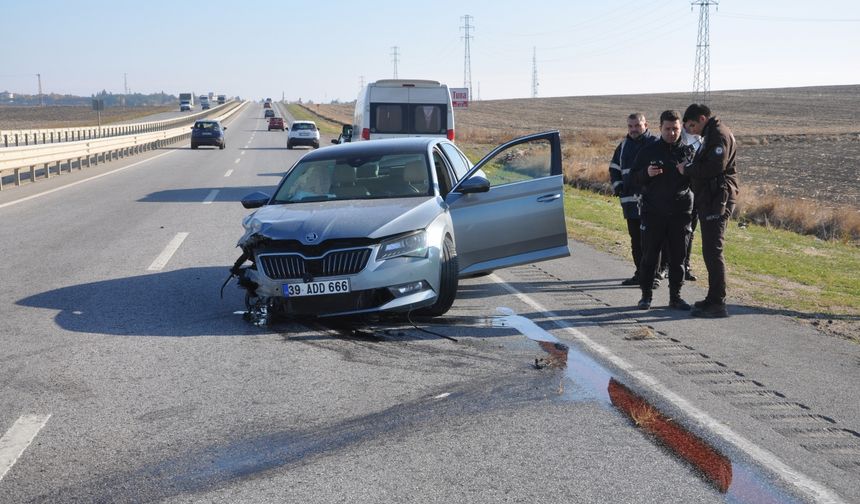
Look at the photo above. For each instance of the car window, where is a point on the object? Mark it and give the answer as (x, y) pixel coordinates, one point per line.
(457, 160)
(388, 118)
(387, 176)
(443, 173)
(427, 119)
(520, 162)
(206, 125)
(304, 126)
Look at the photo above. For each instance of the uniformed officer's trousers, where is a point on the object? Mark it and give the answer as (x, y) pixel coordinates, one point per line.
(674, 230)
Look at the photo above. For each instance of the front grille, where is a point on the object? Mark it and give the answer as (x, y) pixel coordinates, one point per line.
(335, 263)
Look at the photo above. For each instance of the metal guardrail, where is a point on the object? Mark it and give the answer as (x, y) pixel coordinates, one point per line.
(48, 157)
(19, 138)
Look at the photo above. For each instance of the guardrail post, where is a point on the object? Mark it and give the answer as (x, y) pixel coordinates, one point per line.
(32, 173)
(17, 176)
(59, 167)
(80, 164)
(47, 170)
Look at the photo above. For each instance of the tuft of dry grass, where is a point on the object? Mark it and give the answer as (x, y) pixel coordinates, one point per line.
(801, 216)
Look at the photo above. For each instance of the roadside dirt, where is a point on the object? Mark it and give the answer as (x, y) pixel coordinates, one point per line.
(68, 117)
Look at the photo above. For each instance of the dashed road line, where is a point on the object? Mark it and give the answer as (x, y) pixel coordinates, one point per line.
(229, 172)
(18, 438)
(161, 261)
(73, 184)
(806, 485)
(237, 160)
(211, 196)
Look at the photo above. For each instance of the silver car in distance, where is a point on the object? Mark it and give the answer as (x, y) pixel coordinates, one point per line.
(390, 225)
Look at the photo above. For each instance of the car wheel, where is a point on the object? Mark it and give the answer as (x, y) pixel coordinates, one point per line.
(289, 145)
(222, 146)
(316, 145)
(448, 282)
(193, 146)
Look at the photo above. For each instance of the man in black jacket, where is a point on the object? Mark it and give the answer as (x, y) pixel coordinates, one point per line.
(625, 187)
(665, 208)
(714, 180)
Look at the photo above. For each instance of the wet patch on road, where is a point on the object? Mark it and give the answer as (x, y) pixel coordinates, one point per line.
(592, 382)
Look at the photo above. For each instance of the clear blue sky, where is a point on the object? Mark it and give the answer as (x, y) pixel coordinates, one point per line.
(321, 50)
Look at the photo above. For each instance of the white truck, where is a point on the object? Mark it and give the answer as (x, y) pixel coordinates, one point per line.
(186, 101)
(204, 102)
(401, 108)
(222, 99)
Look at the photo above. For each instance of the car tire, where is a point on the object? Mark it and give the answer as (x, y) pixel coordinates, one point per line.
(222, 146)
(448, 282)
(193, 146)
(289, 146)
(316, 145)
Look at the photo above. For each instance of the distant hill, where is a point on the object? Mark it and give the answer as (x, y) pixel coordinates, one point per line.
(110, 100)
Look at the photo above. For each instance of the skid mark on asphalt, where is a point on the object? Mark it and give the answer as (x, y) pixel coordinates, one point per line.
(161, 261)
(18, 438)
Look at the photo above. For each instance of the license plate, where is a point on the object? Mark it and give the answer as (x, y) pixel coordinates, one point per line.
(316, 288)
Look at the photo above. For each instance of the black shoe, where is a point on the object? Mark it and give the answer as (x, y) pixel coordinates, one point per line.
(710, 310)
(655, 283)
(677, 303)
(688, 275)
(644, 303)
(634, 280)
(701, 304)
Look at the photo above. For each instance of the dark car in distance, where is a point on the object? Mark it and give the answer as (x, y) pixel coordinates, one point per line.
(208, 132)
(269, 113)
(276, 123)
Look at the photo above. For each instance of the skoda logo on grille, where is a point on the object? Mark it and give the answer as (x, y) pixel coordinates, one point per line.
(311, 237)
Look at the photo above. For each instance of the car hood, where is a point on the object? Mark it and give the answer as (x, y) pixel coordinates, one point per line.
(312, 223)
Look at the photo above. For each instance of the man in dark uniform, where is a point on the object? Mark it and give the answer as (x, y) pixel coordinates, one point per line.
(625, 187)
(713, 178)
(665, 207)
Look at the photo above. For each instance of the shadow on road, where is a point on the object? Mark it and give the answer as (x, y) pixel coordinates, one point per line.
(198, 194)
(177, 303)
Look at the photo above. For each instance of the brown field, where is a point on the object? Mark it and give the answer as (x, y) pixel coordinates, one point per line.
(794, 143)
(69, 117)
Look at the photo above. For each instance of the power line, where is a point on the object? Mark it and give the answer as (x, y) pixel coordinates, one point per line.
(467, 61)
(702, 71)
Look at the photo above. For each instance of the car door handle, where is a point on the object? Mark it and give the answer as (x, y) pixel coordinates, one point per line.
(549, 197)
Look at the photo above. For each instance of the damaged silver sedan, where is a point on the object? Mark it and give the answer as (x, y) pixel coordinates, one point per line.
(390, 225)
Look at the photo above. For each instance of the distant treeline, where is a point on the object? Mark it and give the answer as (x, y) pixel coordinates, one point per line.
(110, 99)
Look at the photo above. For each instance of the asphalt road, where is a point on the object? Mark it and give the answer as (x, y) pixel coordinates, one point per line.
(124, 377)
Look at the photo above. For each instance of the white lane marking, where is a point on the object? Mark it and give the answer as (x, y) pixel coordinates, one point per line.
(237, 160)
(806, 485)
(211, 196)
(18, 438)
(229, 172)
(442, 395)
(161, 261)
(242, 153)
(105, 174)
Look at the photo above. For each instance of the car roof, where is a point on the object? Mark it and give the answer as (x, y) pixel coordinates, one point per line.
(304, 122)
(410, 145)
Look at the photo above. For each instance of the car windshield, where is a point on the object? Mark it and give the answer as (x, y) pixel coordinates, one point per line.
(387, 176)
(206, 126)
(304, 126)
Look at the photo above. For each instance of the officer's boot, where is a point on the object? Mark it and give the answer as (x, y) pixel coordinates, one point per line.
(645, 302)
(675, 300)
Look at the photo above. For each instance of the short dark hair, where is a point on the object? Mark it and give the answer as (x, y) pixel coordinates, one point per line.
(695, 110)
(669, 115)
(637, 116)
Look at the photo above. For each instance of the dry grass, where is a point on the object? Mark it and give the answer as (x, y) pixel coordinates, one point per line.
(807, 217)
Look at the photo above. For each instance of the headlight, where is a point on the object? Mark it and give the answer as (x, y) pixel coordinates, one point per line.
(411, 245)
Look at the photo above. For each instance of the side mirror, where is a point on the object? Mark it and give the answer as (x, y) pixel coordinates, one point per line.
(255, 200)
(335, 140)
(346, 132)
(474, 184)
